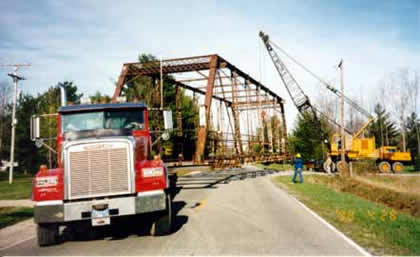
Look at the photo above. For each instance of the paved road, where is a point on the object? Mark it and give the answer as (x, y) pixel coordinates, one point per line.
(244, 217)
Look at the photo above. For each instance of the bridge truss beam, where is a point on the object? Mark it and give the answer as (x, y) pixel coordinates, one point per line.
(244, 100)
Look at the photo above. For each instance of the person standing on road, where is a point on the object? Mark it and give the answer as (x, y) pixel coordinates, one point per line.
(298, 165)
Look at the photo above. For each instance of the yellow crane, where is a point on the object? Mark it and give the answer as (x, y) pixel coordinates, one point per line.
(387, 158)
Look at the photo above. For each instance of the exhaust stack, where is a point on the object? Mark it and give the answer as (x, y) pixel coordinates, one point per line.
(63, 96)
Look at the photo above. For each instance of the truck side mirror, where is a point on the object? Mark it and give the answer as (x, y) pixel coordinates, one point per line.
(35, 131)
(167, 120)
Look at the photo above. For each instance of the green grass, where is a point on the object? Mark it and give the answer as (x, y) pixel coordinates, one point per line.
(13, 215)
(379, 229)
(20, 189)
(410, 170)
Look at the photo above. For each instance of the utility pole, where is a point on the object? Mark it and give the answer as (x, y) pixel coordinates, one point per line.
(11, 164)
(343, 148)
(161, 84)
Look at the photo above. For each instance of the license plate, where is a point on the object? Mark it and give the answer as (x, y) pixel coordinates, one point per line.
(100, 218)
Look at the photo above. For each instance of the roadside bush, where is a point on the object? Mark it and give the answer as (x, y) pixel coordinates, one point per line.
(417, 163)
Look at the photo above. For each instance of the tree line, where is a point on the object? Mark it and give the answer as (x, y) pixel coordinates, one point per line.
(395, 105)
(30, 157)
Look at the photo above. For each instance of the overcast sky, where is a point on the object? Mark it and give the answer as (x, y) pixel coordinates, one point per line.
(88, 41)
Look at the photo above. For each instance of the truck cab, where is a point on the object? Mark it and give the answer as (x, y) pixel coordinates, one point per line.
(104, 170)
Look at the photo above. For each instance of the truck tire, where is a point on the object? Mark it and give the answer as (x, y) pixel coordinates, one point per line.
(384, 167)
(397, 167)
(163, 225)
(47, 234)
(339, 165)
(332, 167)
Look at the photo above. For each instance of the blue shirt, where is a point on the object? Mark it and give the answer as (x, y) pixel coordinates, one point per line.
(298, 163)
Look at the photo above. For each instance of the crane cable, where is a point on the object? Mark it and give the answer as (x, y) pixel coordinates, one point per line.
(333, 89)
(298, 63)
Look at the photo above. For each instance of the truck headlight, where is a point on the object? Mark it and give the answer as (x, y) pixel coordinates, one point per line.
(46, 181)
(152, 172)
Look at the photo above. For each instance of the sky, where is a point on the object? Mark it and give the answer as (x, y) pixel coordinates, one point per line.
(88, 41)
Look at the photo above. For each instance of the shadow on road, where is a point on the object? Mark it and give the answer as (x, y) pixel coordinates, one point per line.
(121, 227)
(210, 180)
(139, 225)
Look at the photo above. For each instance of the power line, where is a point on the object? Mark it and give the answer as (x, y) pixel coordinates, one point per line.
(331, 88)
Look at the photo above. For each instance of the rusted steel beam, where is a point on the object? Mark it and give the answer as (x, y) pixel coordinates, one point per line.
(120, 83)
(200, 68)
(243, 85)
(196, 79)
(175, 82)
(235, 114)
(188, 64)
(196, 63)
(227, 111)
(269, 133)
(252, 103)
(260, 123)
(249, 78)
(243, 91)
(202, 130)
(243, 96)
(202, 74)
(139, 70)
(192, 59)
(256, 108)
(284, 130)
(252, 107)
(178, 96)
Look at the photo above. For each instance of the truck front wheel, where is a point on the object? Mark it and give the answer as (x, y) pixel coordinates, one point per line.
(397, 167)
(330, 166)
(340, 165)
(47, 234)
(384, 167)
(163, 225)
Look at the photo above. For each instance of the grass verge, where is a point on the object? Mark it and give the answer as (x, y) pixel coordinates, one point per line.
(20, 189)
(13, 215)
(379, 229)
(366, 187)
(410, 170)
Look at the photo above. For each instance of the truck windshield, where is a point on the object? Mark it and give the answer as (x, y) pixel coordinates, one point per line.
(115, 119)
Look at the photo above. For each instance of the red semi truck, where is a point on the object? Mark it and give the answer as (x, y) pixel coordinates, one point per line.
(105, 170)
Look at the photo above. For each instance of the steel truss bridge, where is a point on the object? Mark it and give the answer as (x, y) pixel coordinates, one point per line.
(240, 120)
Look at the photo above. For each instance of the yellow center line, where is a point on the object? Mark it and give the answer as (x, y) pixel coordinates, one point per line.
(202, 202)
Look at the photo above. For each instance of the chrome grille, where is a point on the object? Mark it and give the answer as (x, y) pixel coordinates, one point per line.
(99, 172)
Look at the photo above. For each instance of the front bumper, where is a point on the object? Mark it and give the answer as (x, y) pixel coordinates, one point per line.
(59, 212)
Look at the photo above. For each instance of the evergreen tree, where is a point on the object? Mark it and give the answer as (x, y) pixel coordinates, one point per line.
(308, 136)
(27, 154)
(99, 98)
(413, 127)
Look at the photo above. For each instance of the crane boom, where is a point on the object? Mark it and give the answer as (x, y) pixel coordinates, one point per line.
(337, 92)
(299, 98)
